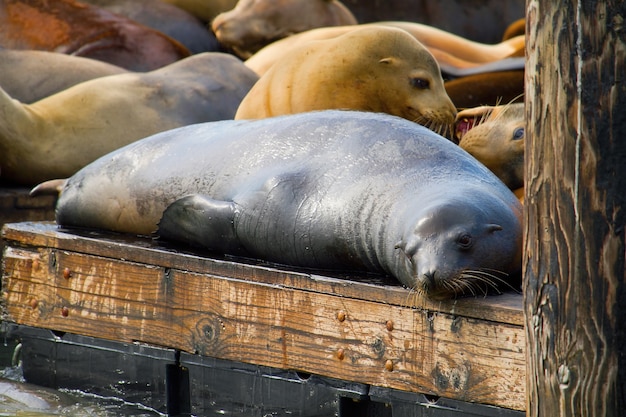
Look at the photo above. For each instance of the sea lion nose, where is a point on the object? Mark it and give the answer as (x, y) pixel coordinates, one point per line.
(427, 280)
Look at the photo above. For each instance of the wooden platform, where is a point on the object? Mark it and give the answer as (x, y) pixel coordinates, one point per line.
(364, 329)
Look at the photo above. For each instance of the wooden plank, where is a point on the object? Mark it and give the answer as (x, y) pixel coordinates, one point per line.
(505, 308)
(264, 323)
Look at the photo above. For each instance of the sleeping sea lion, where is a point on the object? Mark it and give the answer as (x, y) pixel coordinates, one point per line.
(332, 189)
(56, 136)
(374, 68)
(29, 76)
(168, 19)
(253, 24)
(79, 29)
(450, 50)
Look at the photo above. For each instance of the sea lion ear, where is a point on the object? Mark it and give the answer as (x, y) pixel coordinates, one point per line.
(493, 228)
(200, 221)
(399, 245)
(386, 61)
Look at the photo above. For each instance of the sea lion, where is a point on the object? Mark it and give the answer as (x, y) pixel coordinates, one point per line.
(56, 136)
(516, 28)
(203, 9)
(173, 21)
(482, 21)
(448, 49)
(253, 24)
(29, 76)
(75, 28)
(375, 68)
(331, 189)
(495, 136)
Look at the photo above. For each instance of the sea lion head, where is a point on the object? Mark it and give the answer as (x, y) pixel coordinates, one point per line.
(495, 136)
(253, 24)
(466, 245)
(405, 77)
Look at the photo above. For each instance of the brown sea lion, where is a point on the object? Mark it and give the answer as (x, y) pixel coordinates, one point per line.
(253, 24)
(74, 28)
(495, 136)
(56, 136)
(479, 20)
(516, 28)
(490, 86)
(29, 76)
(449, 49)
(375, 68)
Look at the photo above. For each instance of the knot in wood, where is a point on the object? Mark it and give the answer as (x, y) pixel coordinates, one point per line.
(564, 376)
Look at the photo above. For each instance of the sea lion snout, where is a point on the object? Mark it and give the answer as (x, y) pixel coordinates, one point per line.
(460, 246)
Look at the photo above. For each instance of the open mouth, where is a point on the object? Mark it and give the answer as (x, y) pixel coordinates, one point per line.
(464, 125)
(468, 119)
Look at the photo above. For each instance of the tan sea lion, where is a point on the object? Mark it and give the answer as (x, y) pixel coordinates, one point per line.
(253, 24)
(56, 136)
(495, 136)
(29, 76)
(449, 49)
(75, 28)
(374, 68)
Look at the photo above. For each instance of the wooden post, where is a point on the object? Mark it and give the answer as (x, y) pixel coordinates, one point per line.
(574, 267)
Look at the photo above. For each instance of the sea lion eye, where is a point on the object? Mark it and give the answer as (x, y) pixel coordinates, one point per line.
(518, 134)
(465, 241)
(420, 83)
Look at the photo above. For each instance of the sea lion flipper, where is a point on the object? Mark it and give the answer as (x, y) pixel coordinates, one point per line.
(201, 221)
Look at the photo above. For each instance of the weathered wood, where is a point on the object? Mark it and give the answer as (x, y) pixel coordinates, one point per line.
(575, 271)
(263, 315)
(506, 308)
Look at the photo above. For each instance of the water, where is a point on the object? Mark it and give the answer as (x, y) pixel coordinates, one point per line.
(19, 398)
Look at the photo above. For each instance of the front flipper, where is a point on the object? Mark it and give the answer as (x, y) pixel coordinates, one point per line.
(201, 221)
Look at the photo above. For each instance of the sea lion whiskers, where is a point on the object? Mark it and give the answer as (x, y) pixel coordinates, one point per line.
(438, 127)
(458, 286)
(472, 280)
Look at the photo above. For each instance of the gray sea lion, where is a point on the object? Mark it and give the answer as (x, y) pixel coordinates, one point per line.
(167, 19)
(203, 9)
(495, 136)
(336, 190)
(56, 136)
(29, 76)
